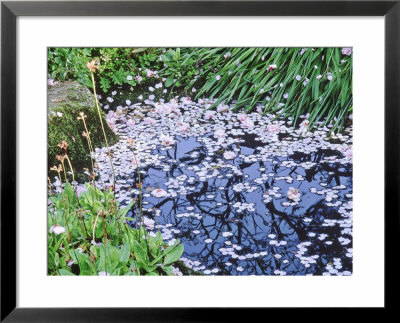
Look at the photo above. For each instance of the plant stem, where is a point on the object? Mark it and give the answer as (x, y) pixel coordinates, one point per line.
(69, 231)
(70, 166)
(94, 227)
(102, 126)
(105, 246)
(65, 175)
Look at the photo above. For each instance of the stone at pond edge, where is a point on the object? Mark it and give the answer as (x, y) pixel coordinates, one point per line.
(65, 101)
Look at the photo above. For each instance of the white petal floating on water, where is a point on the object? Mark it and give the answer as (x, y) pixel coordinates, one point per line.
(264, 169)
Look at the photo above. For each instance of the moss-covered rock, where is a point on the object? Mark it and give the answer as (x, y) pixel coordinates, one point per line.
(65, 101)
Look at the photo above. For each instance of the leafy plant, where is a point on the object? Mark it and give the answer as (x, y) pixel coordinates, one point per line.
(117, 66)
(89, 235)
(285, 81)
(177, 71)
(69, 63)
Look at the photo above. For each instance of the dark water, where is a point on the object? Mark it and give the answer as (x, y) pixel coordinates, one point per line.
(250, 230)
(234, 216)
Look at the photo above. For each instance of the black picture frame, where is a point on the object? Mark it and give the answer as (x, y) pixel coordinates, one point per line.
(10, 10)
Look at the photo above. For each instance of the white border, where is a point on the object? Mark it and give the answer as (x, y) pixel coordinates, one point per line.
(364, 288)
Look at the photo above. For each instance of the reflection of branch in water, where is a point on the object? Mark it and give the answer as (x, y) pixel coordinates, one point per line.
(298, 229)
(316, 157)
(323, 211)
(293, 170)
(193, 197)
(249, 229)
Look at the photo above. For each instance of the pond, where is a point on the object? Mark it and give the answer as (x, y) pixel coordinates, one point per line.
(245, 194)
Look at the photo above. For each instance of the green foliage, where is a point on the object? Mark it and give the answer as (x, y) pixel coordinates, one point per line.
(291, 89)
(286, 81)
(69, 63)
(177, 71)
(116, 248)
(118, 66)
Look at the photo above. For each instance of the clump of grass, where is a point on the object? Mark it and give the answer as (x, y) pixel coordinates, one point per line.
(285, 81)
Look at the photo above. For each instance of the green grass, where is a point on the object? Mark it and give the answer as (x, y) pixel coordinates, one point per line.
(245, 78)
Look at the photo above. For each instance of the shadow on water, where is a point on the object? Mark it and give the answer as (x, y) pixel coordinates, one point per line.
(234, 216)
(297, 239)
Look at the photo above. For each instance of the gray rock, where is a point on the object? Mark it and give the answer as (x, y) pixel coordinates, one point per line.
(70, 92)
